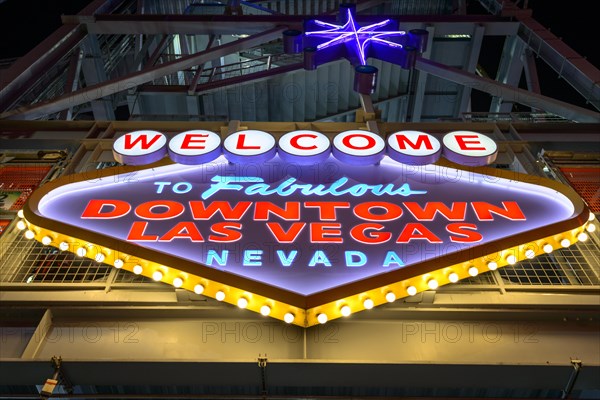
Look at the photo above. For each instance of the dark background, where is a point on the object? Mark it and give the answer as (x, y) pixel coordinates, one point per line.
(23, 24)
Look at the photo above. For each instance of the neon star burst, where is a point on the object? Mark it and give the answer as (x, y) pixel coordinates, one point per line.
(358, 38)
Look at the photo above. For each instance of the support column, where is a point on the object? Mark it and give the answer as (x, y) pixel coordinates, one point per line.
(509, 71)
(476, 40)
(72, 81)
(94, 73)
(422, 81)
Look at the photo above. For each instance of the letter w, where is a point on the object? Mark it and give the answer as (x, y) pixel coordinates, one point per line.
(202, 212)
(142, 139)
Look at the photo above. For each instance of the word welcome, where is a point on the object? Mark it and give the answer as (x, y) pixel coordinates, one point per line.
(303, 147)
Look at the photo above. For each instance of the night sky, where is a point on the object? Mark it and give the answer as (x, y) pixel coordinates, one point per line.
(23, 24)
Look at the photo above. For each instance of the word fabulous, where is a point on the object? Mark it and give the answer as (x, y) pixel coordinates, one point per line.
(305, 147)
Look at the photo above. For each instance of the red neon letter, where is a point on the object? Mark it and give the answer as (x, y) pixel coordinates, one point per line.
(228, 230)
(327, 208)
(291, 212)
(173, 209)
(510, 211)
(358, 233)
(428, 213)
(190, 138)
(136, 233)
(466, 233)
(319, 231)
(464, 144)
(294, 142)
(94, 209)
(142, 139)
(363, 211)
(183, 230)
(370, 142)
(421, 140)
(200, 211)
(288, 236)
(241, 146)
(417, 231)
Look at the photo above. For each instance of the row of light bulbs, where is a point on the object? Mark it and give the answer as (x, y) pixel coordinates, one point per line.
(322, 318)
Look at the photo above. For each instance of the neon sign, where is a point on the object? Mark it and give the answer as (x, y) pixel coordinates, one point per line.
(323, 42)
(304, 243)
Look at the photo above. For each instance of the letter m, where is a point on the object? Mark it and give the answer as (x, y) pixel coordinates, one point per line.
(422, 140)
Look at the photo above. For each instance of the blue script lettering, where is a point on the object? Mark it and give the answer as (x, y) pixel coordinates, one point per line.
(289, 187)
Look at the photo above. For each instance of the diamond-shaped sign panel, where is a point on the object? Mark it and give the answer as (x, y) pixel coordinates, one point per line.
(306, 243)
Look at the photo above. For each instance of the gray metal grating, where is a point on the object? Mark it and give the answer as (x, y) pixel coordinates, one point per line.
(577, 265)
(27, 261)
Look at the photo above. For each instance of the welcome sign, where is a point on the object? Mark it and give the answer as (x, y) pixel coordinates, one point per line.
(306, 228)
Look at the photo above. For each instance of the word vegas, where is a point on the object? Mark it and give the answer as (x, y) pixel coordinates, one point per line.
(356, 147)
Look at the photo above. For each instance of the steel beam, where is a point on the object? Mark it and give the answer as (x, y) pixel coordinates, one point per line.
(509, 71)
(419, 99)
(199, 68)
(72, 80)
(248, 24)
(27, 69)
(509, 93)
(476, 40)
(94, 73)
(107, 88)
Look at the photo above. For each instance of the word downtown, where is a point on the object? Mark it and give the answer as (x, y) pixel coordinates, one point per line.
(293, 225)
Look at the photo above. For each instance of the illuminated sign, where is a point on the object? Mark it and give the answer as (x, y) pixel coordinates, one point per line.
(324, 41)
(345, 229)
(356, 147)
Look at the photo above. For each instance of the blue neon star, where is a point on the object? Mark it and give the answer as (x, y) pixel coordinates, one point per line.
(361, 37)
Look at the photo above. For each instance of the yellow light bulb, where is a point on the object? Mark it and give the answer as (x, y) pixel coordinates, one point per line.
(473, 271)
(198, 289)
(433, 284)
(266, 310)
(242, 302)
(492, 266)
(411, 290)
(322, 318)
(178, 282)
(390, 297)
(138, 269)
(346, 311)
(453, 277)
(220, 295)
(157, 275)
(288, 318)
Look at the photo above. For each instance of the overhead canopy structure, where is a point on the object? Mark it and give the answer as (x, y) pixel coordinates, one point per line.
(213, 61)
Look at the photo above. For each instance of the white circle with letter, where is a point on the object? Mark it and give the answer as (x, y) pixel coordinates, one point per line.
(248, 146)
(469, 148)
(195, 147)
(140, 147)
(414, 147)
(304, 147)
(358, 147)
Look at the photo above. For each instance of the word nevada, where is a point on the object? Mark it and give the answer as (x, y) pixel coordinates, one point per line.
(302, 147)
